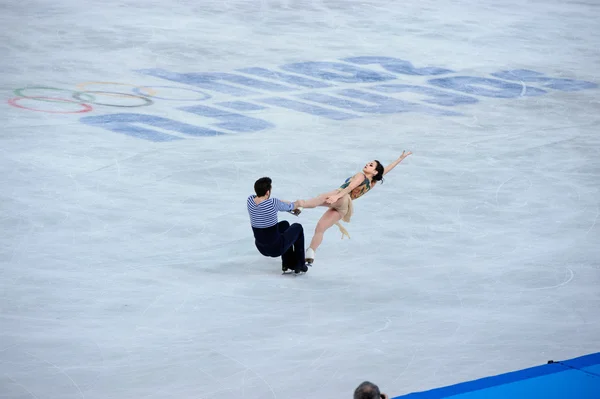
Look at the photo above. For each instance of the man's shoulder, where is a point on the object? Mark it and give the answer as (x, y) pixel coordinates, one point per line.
(272, 201)
(250, 202)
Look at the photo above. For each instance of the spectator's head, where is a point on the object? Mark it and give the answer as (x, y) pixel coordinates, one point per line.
(368, 390)
(262, 186)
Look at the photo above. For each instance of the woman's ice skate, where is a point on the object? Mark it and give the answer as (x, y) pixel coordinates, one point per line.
(310, 256)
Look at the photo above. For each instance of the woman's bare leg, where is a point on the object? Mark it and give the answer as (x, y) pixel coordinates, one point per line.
(329, 218)
(318, 200)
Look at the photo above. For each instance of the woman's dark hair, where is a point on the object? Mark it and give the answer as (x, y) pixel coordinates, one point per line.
(262, 185)
(380, 169)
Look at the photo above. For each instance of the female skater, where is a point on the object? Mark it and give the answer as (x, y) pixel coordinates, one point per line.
(339, 201)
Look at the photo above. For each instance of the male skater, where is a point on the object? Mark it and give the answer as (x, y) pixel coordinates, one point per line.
(273, 238)
(368, 390)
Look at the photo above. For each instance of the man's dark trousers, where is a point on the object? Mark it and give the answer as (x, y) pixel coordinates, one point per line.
(282, 240)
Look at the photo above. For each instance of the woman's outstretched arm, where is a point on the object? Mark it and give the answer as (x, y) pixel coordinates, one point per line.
(396, 162)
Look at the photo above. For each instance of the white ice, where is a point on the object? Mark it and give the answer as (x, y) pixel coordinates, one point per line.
(128, 268)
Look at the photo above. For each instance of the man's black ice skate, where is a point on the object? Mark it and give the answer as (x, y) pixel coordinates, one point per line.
(301, 269)
(285, 269)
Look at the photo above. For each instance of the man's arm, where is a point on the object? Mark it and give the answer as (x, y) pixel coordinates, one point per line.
(396, 162)
(296, 204)
(283, 206)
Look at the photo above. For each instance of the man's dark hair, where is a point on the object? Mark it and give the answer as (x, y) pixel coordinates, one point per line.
(262, 185)
(367, 390)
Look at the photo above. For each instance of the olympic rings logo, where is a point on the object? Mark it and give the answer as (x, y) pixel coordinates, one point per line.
(82, 100)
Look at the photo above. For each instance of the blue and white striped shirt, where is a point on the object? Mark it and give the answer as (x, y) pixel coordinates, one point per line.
(264, 214)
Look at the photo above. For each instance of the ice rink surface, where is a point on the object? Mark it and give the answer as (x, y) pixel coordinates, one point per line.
(133, 131)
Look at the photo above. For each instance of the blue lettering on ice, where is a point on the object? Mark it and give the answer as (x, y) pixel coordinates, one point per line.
(241, 106)
(337, 72)
(284, 77)
(213, 81)
(126, 124)
(308, 108)
(382, 104)
(337, 104)
(528, 76)
(438, 97)
(397, 65)
(485, 87)
(230, 121)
